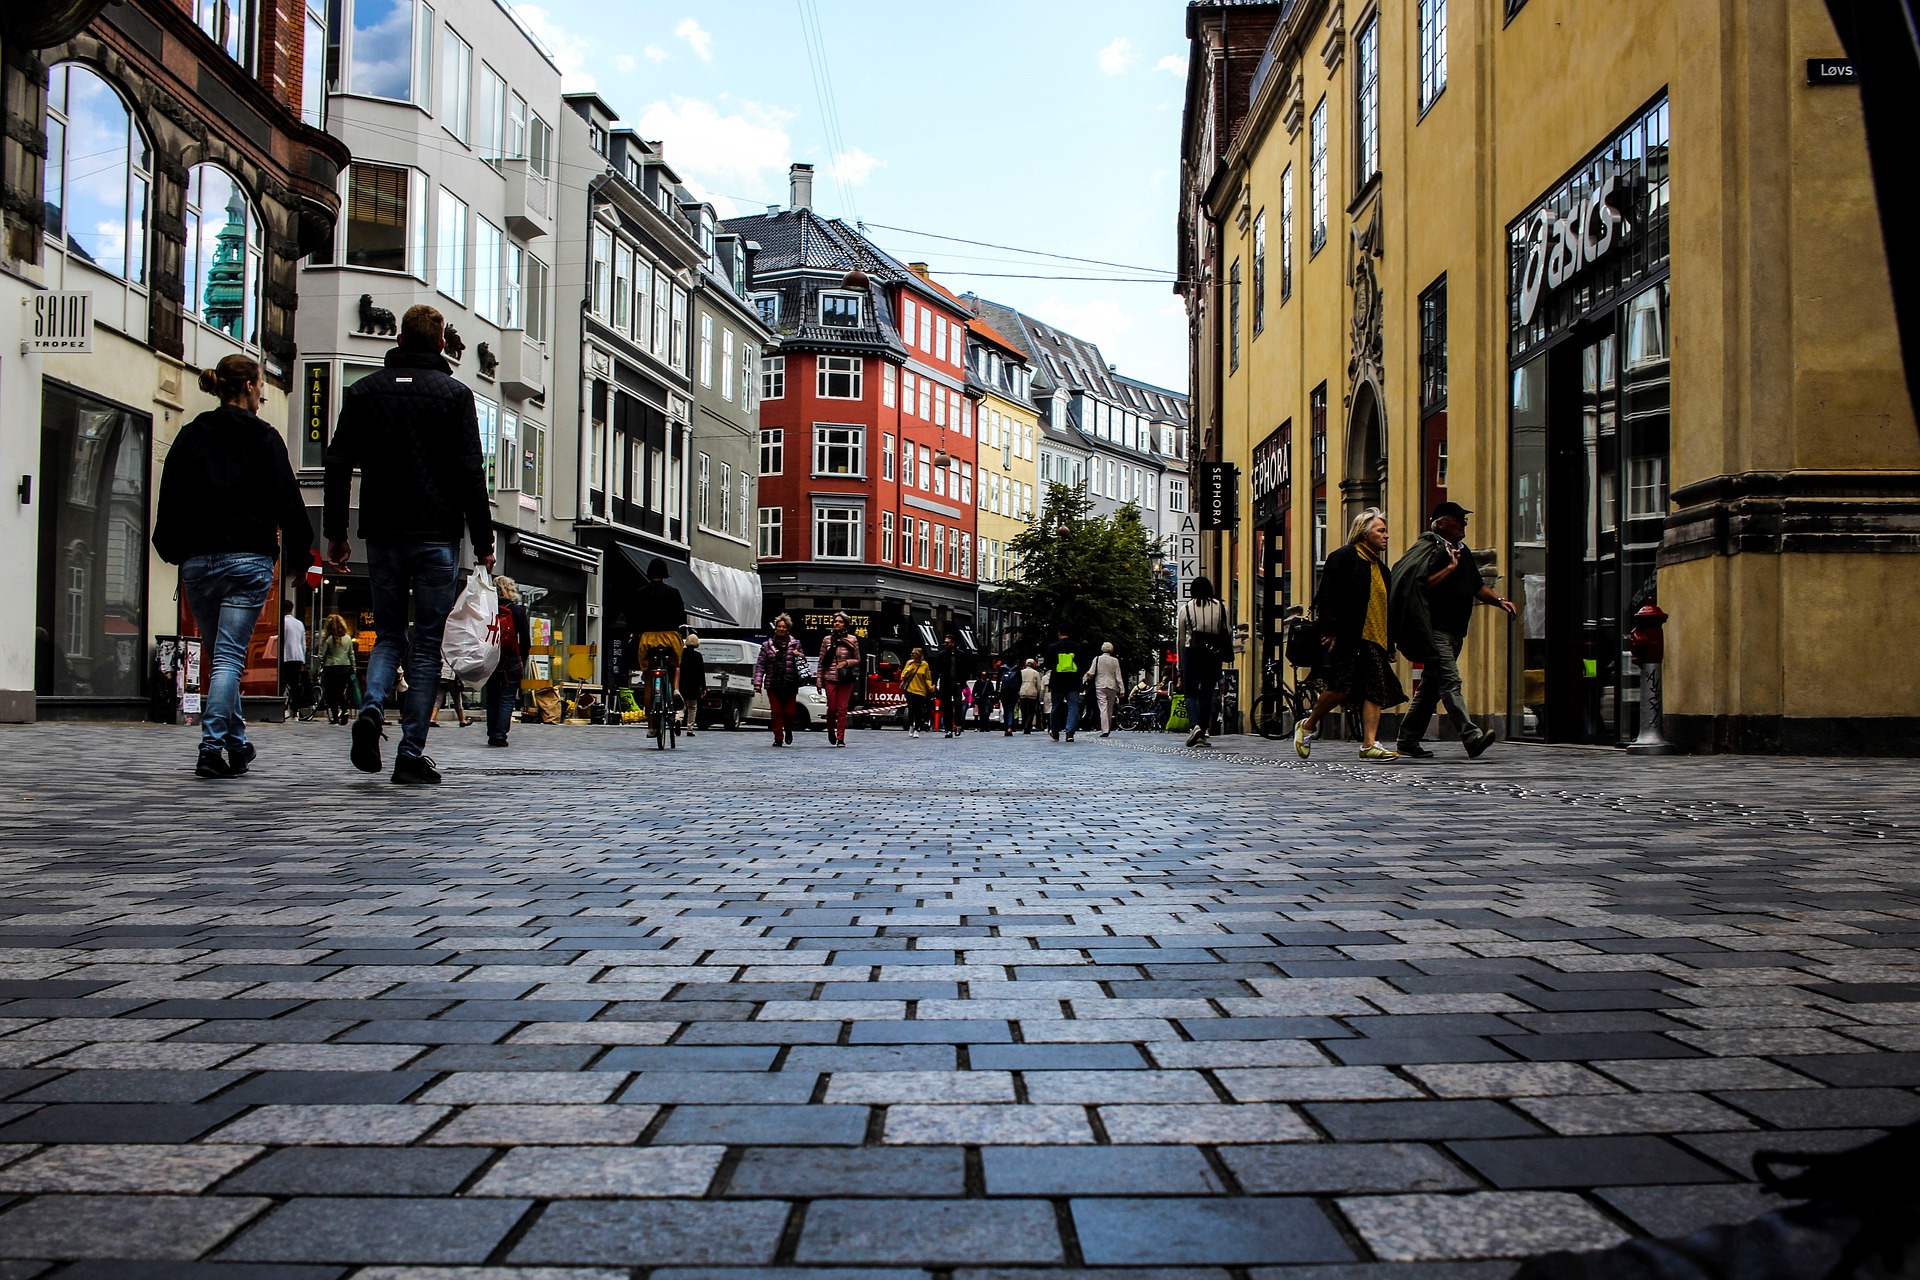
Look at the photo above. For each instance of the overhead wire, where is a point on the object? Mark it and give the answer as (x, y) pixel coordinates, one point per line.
(1037, 253)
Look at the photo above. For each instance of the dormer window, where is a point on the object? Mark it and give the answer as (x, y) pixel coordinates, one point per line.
(840, 310)
(597, 138)
(634, 172)
(768, 305)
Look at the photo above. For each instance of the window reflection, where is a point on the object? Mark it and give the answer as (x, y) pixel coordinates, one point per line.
(223, 254)
(97, 174)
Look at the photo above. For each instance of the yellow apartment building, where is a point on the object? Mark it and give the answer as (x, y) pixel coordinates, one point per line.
(1009, 467)
(1608, 275)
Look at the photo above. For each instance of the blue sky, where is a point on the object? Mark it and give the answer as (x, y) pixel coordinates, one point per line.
(1047, 124)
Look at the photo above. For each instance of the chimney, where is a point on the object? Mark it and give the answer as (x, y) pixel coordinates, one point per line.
(920, 269)
(800, 182)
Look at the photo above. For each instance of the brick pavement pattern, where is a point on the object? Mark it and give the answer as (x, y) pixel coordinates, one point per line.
(983, 1008)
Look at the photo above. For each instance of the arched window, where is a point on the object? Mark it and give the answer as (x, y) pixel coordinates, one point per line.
(97, 174)
(223, 254)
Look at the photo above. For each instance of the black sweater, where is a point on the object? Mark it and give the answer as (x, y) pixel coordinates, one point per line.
(228, 486)
(411, 431)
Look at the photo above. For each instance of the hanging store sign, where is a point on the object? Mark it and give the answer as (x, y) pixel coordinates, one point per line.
(1219, 495)
(1186, 552)
(60, 322)
(1560, 248)
(319, 383)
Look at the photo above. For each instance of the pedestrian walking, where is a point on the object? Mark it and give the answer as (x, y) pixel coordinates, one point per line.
(1351, 605)
(452, 694)
(778, 670)
(916, 681)
(335, 653)
(1430, 602)
(950, 682)
(1109, 682)
(294, 680)
(839, 670)
(228, 506)
(502, 694)
(1010, 675)
(985, 693)
(1205, 640)
(1032, 687)
(1067, 664)
(410, 429)
(693, 678)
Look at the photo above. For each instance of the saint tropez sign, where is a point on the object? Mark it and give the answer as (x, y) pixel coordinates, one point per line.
(60, 322)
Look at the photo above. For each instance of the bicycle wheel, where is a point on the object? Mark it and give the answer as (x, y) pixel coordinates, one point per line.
(1273, 716)
(1129, 717)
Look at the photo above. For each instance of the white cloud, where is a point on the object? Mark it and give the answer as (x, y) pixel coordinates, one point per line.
(746, 151)
(697, 38)
(855, 166)
(1102, 321)
(1173, 63)
(1118, 57)
(655, 53)
(569, 51)
(624, 63)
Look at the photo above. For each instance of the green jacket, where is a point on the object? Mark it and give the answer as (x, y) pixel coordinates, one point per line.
(1410, 601)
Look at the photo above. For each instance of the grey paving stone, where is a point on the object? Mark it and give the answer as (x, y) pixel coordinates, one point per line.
(506, 1057)
(123, 1269)
(930, 1232)
(358, 1171)
(324, 1229)
(153, 1227)
(653, 1233)
(1680, 1211)
(1396, 1050)
(557, 1173)
(720, 1086)
(1372, 1121)
(1095, 1171)
(657, 1058)
(877, 1057)
(944, 1031)
(1600, 1044)
(1525, 1163)
(805, 1172)
(1225, 1231)
(132, 1086)
(1054, 1057)
(749, 1125)
(1487, 1224)
(1819, 1108)
(119, 1122)
(1853, 1069)
(1344, 1170)
(329, 1086)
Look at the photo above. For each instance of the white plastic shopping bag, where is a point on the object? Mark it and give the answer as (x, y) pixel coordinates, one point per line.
(472, 642)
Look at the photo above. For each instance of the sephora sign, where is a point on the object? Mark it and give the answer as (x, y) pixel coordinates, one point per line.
(1560, 247)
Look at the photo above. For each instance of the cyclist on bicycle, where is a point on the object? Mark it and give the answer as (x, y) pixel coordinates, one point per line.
(658, 615)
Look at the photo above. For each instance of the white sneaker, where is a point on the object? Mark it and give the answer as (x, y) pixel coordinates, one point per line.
(1194, 735)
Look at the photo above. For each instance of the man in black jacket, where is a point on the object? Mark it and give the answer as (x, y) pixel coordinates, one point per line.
(1430, 602)
(949, 678)
(411, 431)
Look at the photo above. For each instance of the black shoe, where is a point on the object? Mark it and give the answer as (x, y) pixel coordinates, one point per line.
(1412, 751)
(789, 741)
(366, 741)
(1069, 737)
(1478, 747)
(415, 770)
(239, 759)
(496, 742)
(212, 764)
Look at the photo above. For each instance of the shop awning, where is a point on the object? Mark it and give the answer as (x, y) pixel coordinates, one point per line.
(737, 590)
(699, 601)
(927, 637)
(544, 548)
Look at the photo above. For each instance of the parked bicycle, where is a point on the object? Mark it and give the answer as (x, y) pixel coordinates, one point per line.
(1284, 704)
(1143, 711)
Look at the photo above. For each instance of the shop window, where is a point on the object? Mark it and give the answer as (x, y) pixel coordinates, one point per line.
(223, 254)
(92, 623)
(772, 525)
(97, 175)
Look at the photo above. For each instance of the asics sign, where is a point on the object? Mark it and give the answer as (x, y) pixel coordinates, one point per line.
(1560, 248)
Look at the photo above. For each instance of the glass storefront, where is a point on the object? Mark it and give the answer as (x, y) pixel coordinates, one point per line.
(91, 638)
(1589, 432)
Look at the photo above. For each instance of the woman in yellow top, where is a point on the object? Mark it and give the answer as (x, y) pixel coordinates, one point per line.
(1351, 606)
(916, 678)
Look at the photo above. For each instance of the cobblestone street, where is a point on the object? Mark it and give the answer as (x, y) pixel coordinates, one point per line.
(982, 1008)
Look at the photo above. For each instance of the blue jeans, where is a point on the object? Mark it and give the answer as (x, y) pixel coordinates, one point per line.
(1066, 710)
(502, 696)
(427, 573)
(225, 593)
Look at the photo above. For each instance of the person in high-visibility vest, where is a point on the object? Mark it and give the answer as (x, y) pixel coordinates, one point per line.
(1068, 662)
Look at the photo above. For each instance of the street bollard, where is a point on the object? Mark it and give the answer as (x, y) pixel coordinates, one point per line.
(1647, 645)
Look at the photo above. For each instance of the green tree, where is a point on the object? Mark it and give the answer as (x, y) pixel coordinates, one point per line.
(1092, 574)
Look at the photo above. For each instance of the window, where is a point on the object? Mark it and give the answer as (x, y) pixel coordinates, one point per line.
(839, 378)
(773, 378)
(539, 144)
(223, 254)
(1176, 494)
(677, 352)
(516, 126)
(488, 414)
(836, 451)
(926, 400)
(662, 306)
(889, 376)
(1433, 50)
(926, 560)
(492, 122)
(229, 23)
(313, 67)
(926, 331)
(745, 498)
(1366, 105)
(906, 541)
(600, 270)
(772, 523)
(642, 299)
(926, 466)
(940, 337)
(726, 499)
(1433, 347)
(533, 299)
(456, 84)
(1319, 532)
(389, 50)
(1646, 330)
(703, 500)
(1259, 283)
(886, 536)
(939, 407)
(908, 384)
(622, 292)
(533, 459)
(450, 247)
(1317, 179)
(768, 305)
(840, 310)
(773, 450)
(726, 364)
(1286, 234)
(940, 481)
(512, 272)
(909, 316)
(1646, 487)
(1317, 409)
(966, 482)
(836, 533)
(939, 550)
(1233, 317)
(886, 456)
(953, 551)
(706, 350)
(488, 251)
(97, 175)
(509, 451)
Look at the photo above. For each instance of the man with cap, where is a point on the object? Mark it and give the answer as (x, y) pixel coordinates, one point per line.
(1429, 604)
(658, 614)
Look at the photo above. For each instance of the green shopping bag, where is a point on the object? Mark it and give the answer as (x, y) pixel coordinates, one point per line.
(1177, 714)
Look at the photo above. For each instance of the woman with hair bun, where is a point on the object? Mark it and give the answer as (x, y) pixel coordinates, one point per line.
(227, 494)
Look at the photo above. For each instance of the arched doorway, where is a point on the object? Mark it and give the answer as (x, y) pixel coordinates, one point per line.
(1363, 484)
